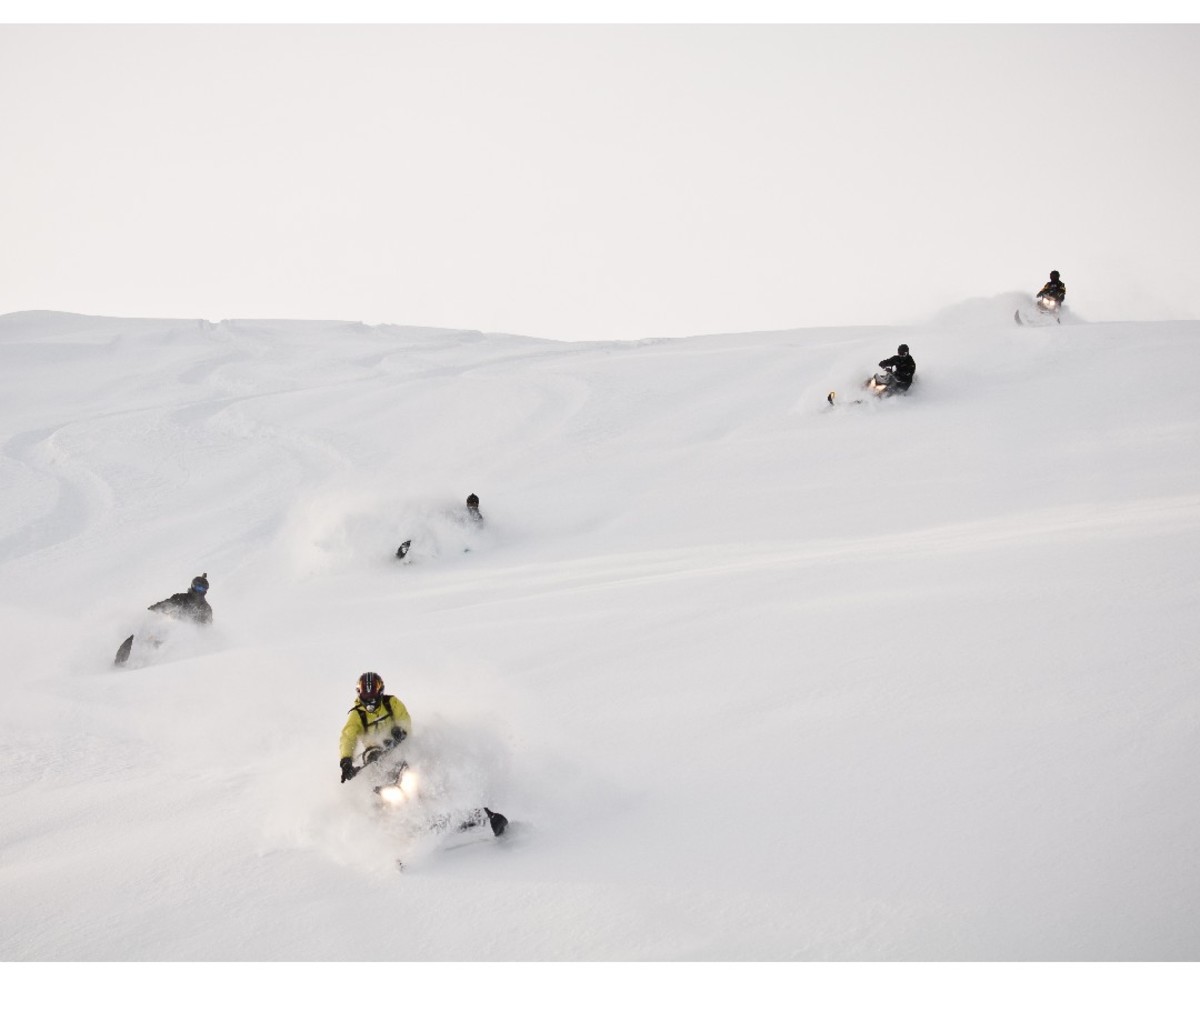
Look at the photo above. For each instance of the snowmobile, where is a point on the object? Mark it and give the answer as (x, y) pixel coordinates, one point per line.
(882, 384)
(159, 637)
(398, 788)
(444, 530)
(1050, 304)
(1048, 308)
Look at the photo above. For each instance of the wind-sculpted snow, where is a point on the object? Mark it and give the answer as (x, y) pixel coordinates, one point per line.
(754, 677)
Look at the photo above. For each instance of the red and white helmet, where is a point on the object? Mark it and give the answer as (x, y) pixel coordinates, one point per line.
(370, 687)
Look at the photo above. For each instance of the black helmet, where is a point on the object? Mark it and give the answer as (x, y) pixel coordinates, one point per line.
(902, 350)
(472, 501)
(1054, 274)
(370, 688)
(200, 584)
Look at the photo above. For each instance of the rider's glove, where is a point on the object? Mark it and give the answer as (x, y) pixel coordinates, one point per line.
(398, 735)
(348, 771)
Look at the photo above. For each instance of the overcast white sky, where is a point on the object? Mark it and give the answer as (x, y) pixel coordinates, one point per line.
(592, 181)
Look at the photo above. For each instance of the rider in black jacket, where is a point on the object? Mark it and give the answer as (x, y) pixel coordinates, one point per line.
(189, 606)
(1054, 288)
(903, 368)
(473, 513)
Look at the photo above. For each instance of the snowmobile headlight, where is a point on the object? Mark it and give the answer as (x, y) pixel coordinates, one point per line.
(403, 790)
(393, 795)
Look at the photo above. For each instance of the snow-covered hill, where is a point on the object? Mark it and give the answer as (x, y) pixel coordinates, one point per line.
(754, 678)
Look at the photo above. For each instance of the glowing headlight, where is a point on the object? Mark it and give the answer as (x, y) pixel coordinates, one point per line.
(393, 795)
(401, 791)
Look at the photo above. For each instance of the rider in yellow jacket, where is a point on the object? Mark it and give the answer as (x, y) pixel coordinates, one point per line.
(376, 720)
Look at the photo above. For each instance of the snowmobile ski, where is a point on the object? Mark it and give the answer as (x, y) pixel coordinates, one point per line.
(498, 823)
(123, 652)
(1042, 319)
(478, 817)
(834, 401)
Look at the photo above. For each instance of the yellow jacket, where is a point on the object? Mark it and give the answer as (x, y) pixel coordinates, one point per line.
(373, 727)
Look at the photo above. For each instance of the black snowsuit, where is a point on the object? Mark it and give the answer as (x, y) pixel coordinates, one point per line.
(473, 514)
(189, 606)
(1055, 289)
(903, 367)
